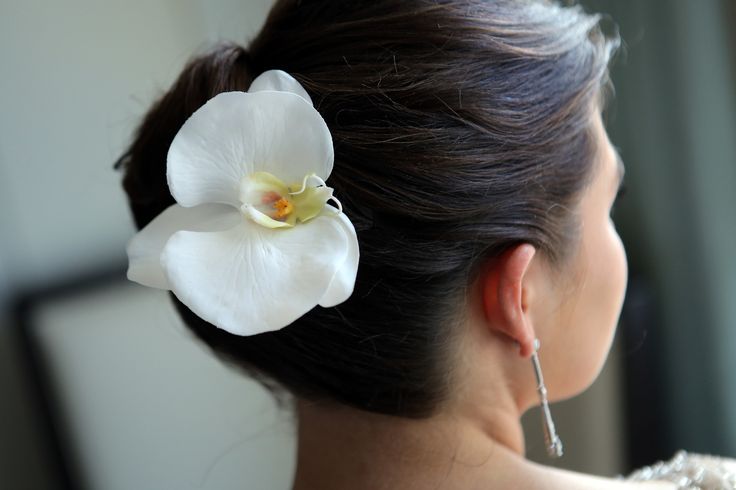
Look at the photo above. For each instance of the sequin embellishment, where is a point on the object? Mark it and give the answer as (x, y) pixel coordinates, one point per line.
(690, 472)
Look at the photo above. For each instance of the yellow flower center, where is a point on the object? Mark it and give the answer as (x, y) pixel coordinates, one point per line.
(283, 207)
(271, 203)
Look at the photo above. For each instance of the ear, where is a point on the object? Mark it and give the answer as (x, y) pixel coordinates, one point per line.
(505, 296)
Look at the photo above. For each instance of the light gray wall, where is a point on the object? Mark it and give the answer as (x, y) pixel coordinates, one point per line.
(76, 76)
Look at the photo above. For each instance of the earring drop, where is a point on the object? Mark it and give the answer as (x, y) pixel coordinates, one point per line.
(554, 444)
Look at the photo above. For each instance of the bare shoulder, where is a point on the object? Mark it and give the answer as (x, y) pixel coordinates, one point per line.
(554, 478)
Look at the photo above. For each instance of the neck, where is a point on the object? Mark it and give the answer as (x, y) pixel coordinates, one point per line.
(345, 448)
(475, 442)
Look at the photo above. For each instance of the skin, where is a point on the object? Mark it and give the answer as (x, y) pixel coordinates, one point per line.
(476, 442)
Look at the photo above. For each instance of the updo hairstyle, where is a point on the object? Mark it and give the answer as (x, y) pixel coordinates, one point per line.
(460, 128)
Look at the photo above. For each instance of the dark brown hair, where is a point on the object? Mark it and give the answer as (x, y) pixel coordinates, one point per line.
(460, 128)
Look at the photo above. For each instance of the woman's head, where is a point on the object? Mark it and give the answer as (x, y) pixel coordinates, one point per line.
(461, 129)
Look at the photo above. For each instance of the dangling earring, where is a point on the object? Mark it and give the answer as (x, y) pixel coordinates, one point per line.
(554, 444)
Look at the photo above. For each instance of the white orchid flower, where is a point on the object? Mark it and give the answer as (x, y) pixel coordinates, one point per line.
(251, 244)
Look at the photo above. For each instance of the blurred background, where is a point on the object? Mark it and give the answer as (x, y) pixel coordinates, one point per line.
(102, 388)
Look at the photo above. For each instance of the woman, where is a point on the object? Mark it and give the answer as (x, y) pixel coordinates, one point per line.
(472, 185)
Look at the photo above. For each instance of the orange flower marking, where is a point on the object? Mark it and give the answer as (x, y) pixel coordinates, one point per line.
(283, 207)
(270, 197)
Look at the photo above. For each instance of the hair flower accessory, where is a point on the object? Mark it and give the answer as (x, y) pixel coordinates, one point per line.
(252, 243)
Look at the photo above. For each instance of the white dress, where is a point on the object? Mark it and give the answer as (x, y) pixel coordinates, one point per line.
(691, 472)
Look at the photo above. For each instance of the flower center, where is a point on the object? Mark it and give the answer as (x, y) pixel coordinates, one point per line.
(273, 204)
(280, 206)
(283, 207)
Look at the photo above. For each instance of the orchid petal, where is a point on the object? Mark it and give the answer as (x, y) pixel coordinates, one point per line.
(280, 81)
(251, 279)
(237, 133)
(144, 249)
(343, 283)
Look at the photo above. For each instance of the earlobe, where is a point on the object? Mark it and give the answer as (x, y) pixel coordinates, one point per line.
(505, 298)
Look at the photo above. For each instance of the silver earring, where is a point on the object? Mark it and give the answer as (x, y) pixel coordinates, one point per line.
(554, 444)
